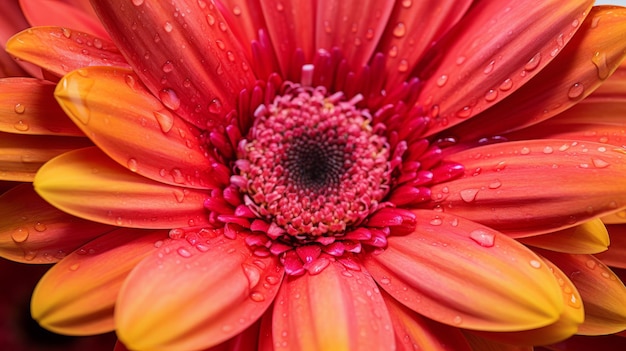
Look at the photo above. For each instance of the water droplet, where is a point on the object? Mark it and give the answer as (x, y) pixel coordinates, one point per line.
(272, 279)
(491, 95)
(525, 151)
(533, 62)
(483, 237)
(168, 27)
(19, 108)
(598, 163)
(137, 2)
(464, 112)
(442, 80)
(385, 281)
(257, 296)
(164, 119)
(495, 184)
(468, 195)
(460, 60)
(279, 6)
(119, 221)
(40, 227)
(179, 195)
(131, 164)
(21, 125)
(183, 252)
(66, 32)
(535, 264)
(177, 176)
(489, 68)
(602, 68)
(20, 235)
(74, 267)
(167, 67)
(403, 66)
(407, 3)
(400, 30)
(169, 99)
(252, 273)
(548, 150)
(506, 85)
(457, 320)
(575, 91)
(223, 27)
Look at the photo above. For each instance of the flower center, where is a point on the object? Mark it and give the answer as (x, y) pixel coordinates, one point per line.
(313, 164)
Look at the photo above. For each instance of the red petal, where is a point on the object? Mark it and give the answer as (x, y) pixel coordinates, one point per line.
(87, 184)
(412, 29)
(616, 255)
(12, 22)
(184, 52)
(77, 295)
(497, 43)
(539, 186)
(337, 309)
(27, 106)
(185, 297)
(33, 231)
(58, 13)
(245, 19)
(353, 26)
(460, 273)
(482, 344)
(60, 50)
(587, 238)
(22, 155)
(133, 127)
(564, 82)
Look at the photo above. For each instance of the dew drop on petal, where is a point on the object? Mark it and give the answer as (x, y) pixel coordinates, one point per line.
(598, 163)
(535, 264)
(183, 252)
(457, 320)
(400, 30)
(575, 91)
(131, 164)
(40, 227)
(533, 62)
(483, 237)
(215, 106)
(599, 60)
(167, 67)
(491, 95)
(403, 66)
(21, 126)
(20, 235)
(164, 119)
(436, 221)
(170, 99)
(507, 84)
(442, 80)
(137, 2)
(385, 281)
(257, 296)
(168, 27)
(489, 68)
(468, 195)
(19, 108)
(252, 273)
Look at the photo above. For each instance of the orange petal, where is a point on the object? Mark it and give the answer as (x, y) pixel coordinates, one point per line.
(133, 127)
(616, 255)
(33, 231)
(603, 293)
(587, 238)
(466, 275)
(535, 186)
(61, 50)
(192, 297)
(416, 332)
(353, 26)
(567, 324)
(337, 309)
(412, 29)
(184, 52)
(78, 294)
(61, 13)
(27, 106)
(618, 217)
(22, 155)
(88, 184)
(588, 59)
(496, 44)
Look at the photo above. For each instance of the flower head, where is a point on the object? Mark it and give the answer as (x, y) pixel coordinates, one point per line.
(323, 175)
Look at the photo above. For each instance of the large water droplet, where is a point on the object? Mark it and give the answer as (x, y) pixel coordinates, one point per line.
(131, 164)
(400, 30)
(468, 195)
(20, 235)
(164, 119)
(19, 108)
(533, 62)
(168, 27)
(575, 91)
(535, 264)
(215, 106)
(403, 66)
(602, 68)
(167, 67)
(170, 99)
(483, 237)
(252, 273)
(507, 84)
(441, 81)
(21, 126)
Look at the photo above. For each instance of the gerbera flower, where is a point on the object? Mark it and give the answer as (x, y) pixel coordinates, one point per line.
(321, 175)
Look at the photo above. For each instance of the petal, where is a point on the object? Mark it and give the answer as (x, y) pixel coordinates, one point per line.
(290, 25)
(353, 26)
(482, 344)
(412, 29)
(539, 186)
(460, 273)
(22, 155)
(587, 238)
(416, 332)
(191, 297)
(337, 309)
(245, 19)
(33, 231)
(11, 22)
(571, 317)
(564, 82)
(57, 13)
(78, 294)
(603, 293)
(184, 52)
(87, 184)
(586, 343)
(27, 106)
(496, 43)
(133, 127)
(61, 50)
(616, 255)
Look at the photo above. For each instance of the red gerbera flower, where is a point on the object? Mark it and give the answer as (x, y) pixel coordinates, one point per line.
(320, 175)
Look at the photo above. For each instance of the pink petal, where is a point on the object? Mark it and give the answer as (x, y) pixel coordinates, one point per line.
(187, 297)
(61, 50)
(87, 184)
(33, 231)
(133, 127)
(22, 155)
(184, 52)
(78, 294)
(245, 20)
(496, 43)
(353, 26)
(587, 238)
(466, 275)
(337, 309)
(412, 29)
(538, 186)
(27, 106)
(58, 13)
(563, 83)
(12, 22)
